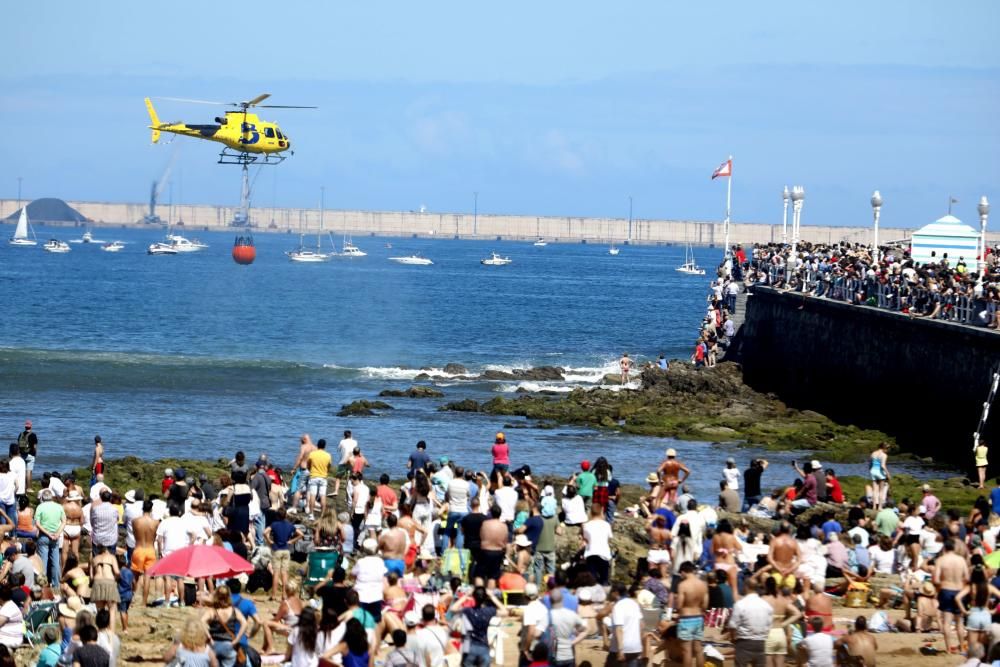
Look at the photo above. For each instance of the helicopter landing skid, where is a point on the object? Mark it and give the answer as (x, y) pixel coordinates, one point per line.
(244, 158)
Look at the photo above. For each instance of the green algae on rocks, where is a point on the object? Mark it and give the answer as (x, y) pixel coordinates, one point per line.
(710, 404)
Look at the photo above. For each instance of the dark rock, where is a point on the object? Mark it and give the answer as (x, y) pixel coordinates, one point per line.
(415, 391)
(468, 405)
(422, 377)
(612, 378)
(426, 368)
(497, 375)
(362, 408)
(539, 374)
(455, 369)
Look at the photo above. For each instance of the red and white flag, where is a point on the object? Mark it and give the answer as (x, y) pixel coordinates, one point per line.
(725, 169)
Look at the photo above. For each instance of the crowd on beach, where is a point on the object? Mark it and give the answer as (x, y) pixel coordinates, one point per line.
(946, 288)
(426, 573)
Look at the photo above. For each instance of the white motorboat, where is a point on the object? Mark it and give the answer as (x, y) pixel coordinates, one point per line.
(690, 267)
(55, 245)
(415, 260)
(495, 260)
(351, 250)
(87, 237)
(182, 244)
(305, 255)
(612, 250)
(114, 246)
(21, 231)
(541, 243)
(161, 249)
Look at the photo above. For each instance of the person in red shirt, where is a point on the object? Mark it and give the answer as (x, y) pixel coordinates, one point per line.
(390, 501)
(168, 480)
(833, 490)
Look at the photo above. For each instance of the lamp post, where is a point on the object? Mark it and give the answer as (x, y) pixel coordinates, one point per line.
(784, 216)
(798, 195)
(984, 214)
(876, 209)
(322, 204)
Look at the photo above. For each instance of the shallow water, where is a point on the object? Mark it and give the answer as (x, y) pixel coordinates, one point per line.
(194, 356)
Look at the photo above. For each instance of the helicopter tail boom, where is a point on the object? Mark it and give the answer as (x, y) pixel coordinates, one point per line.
(154, 119)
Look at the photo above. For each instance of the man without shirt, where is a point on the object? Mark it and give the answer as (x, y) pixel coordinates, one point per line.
(784, 556)
(392, 545)
(144, 554)
(692, 599)
(492, 547)
(951, 573)
(859, 648)
(301, 465)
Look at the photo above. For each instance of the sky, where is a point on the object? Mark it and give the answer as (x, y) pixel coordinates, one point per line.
(564, 108)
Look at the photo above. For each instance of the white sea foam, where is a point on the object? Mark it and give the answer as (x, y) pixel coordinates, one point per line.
(533, 387)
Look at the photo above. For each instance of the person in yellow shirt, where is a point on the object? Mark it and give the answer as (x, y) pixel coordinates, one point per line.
(319, 468)
(982, 451)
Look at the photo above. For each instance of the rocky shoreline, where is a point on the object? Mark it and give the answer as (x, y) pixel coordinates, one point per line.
(710, 404)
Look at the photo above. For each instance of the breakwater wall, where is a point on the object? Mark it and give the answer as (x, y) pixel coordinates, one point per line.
(469, 225)
(923, 381)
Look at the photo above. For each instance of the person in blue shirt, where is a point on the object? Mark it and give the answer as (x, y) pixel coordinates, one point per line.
(558, 581)
(419, 458)
(49, 657)
(246, 607)
(661, 363)
(126, 586)
(831, 525)
(995, 498)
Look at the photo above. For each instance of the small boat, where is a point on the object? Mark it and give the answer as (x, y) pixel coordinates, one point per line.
(690, 267)
(161, 249)
(305, 255)
(351, 250)
(87, 237)
(612, 250)
(181, 244)
(415, 260)
(21, 231)
(495, 260)
(541, 243)
(388, 245)
(55, 245)
(114, 246)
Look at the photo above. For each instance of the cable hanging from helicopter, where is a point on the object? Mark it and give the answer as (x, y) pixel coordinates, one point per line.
(246, 140)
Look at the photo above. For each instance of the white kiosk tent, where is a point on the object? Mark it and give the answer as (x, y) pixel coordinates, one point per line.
(946, 236)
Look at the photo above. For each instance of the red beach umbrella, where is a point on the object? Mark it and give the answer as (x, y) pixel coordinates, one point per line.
(200, 560)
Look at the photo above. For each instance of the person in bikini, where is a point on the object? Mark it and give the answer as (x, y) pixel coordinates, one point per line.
(625, 364)
(144, 555)
(97, 464)
(74, 524)
(725, 548)
(669, 472)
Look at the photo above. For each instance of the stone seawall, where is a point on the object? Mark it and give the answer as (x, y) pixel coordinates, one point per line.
(923, 381)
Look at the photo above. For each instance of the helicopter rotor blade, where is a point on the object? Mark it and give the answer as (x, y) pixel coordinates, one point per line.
(184, 99)
(259, 98)
(283, 106)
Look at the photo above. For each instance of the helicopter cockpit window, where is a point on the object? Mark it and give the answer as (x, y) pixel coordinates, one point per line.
(269, 132)
(280, 135)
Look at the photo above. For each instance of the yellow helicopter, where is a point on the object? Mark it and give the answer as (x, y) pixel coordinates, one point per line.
(246, 137)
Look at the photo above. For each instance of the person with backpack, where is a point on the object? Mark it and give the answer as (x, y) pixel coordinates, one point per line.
(476, 624)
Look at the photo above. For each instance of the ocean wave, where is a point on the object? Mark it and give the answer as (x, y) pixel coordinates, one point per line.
(396, 372)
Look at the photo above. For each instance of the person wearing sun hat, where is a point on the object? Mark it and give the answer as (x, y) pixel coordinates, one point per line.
(501, 454)
(670, 472)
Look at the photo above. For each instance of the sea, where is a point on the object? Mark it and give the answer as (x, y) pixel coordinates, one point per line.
(195, 356)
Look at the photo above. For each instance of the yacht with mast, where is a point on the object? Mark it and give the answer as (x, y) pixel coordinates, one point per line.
(689, 266)
(20, 237)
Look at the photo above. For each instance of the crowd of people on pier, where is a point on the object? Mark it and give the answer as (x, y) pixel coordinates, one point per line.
(947, 288)
(424, 573)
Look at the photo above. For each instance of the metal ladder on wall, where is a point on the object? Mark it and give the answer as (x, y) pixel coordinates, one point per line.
(986, 407)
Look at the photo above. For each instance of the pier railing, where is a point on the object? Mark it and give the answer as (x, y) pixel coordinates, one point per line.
(903, 297)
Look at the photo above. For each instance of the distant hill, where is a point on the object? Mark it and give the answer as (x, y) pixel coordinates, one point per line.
(49, 210)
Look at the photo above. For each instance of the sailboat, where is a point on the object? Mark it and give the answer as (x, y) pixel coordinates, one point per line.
(21, 231)
(689, 266)
(541, 243)
(612, 250)
(305, 255)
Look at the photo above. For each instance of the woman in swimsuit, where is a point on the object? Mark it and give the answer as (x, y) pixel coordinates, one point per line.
(226, 626)
(74, 524)
(25, 519)
(75, 581)
(669, 471)
(285, 618)
(879, 473)
(725, 547)
(104, 567)
(786, 614)
(981, 594)
(394, 600)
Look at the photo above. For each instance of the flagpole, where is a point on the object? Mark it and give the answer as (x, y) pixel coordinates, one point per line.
(729, 201)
